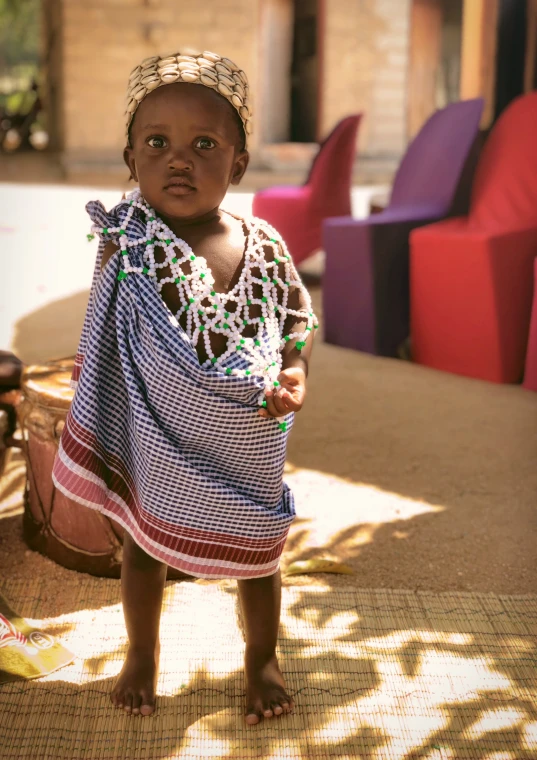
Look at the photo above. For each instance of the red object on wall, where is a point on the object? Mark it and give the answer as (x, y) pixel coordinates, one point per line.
(297, 212)
(471, 278)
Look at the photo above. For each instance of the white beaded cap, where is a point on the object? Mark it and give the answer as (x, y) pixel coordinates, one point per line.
(208, 69)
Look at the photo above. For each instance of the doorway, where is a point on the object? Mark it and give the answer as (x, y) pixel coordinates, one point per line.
(305, 71)
(290, 70)
(511, 52)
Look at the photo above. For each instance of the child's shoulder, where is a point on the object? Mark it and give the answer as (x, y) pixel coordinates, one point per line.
(262, 233)
(100, 216)
(106, 223)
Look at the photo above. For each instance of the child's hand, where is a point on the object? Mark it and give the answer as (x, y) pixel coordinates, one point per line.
(288, 396)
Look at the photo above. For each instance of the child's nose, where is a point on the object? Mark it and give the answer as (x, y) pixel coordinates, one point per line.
(180, 159)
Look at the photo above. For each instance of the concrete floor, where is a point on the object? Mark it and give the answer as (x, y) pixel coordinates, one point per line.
(50, 262)
(416, 478)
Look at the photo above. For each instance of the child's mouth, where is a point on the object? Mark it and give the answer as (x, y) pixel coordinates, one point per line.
(177, 188)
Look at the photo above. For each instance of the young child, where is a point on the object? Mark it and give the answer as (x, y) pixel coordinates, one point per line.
(193, 359)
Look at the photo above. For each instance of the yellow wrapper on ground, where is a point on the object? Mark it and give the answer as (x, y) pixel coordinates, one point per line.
(26, 652)
(318, 566)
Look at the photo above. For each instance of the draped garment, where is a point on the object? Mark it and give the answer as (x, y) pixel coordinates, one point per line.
(173, 451)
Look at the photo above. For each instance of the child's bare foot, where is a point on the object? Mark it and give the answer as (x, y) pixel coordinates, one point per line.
(265, 688)
(135, 689)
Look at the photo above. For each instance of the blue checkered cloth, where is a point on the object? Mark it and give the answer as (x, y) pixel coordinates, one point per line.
(174, 452)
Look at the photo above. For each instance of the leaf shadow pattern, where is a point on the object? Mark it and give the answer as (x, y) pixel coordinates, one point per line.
(51, 331)
(375, 674)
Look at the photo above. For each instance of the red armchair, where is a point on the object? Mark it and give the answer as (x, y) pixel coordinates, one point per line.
(530, 374)
(298, 212)
(471, 282)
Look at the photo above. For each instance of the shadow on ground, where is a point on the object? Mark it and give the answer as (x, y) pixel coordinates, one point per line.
(420, 478)
(51, 332)
(374, 674)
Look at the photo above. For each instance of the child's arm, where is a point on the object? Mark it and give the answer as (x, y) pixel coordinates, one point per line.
(292, 357)
(291, 393)
(109, 249)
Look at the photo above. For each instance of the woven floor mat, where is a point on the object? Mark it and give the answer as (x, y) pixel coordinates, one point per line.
(375, 674)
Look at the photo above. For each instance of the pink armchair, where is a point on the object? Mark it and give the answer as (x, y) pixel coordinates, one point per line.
(298, 212)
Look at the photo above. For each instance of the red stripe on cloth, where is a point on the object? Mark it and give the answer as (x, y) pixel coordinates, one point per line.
(112, 461)
(195, 533)
(77, 368)
(78, 486)
(157, 524)
(174, 539)
(96, 464)
(215, 570)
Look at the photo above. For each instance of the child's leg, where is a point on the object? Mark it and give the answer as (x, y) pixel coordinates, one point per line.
(260, 604)
(142, 587)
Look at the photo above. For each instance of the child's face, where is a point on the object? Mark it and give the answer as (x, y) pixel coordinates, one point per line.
(186, 150)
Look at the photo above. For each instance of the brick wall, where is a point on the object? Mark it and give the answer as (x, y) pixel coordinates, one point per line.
(365, 69)
(99, 41)
(102, 40)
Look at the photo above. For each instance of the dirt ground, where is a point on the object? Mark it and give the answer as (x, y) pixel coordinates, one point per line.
(416, 479)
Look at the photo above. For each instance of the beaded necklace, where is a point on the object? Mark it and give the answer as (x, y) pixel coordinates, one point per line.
(205, 309)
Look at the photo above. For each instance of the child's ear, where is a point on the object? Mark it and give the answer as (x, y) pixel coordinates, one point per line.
(239, 167)
(128, 157)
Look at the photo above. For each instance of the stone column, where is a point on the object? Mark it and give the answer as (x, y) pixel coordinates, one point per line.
(365, 68)
(478, 63)
(425, 55)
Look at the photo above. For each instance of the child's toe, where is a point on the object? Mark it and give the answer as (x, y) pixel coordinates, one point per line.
(117, 697)
(147, 709)
(253, 714)
(147, 703)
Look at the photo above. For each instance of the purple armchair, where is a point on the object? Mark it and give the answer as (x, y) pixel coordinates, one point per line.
(366, 280)
(298, 212)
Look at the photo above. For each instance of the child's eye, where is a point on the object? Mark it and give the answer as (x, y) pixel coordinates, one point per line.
(156, 142)
(204, 143)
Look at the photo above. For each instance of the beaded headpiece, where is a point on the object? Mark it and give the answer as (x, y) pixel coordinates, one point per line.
(208, 69)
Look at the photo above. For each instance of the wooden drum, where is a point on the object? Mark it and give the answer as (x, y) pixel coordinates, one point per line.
(72, 535)
(68, 533)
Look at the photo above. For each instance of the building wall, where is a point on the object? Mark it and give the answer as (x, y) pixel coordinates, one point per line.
(364, 66)
(52, 53)
(102, 40)
(366, 54)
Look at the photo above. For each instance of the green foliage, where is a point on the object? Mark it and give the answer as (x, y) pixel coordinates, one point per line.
(19, 101)
(19, 33)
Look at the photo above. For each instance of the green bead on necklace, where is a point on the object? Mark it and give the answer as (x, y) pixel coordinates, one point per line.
(200, 302)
